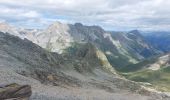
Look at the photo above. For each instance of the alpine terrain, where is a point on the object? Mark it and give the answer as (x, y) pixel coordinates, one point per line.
(78, 62)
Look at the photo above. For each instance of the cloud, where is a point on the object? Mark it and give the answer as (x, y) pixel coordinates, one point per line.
(111, 14)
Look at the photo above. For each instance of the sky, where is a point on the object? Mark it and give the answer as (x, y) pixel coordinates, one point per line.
(110, 14)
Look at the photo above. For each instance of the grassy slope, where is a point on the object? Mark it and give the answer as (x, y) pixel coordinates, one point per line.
(159, 79)
(138, 66)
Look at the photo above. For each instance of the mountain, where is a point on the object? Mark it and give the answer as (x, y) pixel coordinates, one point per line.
(121, 49)
(20, 32)
(142, 46)
(135, 45)
(6, 28)
(80, 69)
(160, 40)
(154, 70)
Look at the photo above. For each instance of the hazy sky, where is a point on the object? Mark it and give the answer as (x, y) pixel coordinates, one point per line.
(110, 14)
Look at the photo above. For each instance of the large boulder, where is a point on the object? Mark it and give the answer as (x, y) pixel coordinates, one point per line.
(15, 91)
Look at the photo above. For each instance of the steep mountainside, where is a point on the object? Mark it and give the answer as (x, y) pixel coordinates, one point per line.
(142, 46)
(80, 72)
(160, 40)
(134, 43)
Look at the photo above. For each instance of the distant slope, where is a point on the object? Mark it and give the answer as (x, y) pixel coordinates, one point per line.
(135, 45)
(160, 40)
(155, 71)
(159, 79)
(141, 45)
(154, 63)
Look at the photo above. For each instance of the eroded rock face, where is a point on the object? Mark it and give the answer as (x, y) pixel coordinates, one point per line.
(15, 92)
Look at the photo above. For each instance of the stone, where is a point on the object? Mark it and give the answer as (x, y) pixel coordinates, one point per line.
(15, 92)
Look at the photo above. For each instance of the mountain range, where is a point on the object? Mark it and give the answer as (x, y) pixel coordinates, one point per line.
(121, 49)
(75, 61)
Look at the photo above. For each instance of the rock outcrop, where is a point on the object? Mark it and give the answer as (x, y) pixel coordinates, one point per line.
(15, 92)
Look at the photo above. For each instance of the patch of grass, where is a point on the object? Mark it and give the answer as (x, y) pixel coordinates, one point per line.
(138, 66)
(119, 61)
(160, 79)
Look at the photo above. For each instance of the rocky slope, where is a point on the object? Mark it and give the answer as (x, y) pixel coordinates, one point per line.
(64, 76)
(163, 61)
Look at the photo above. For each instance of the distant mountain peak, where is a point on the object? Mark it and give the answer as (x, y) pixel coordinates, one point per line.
(134, 31)
(135, 34)
(5, 26)
(78, 24)
(56, 23)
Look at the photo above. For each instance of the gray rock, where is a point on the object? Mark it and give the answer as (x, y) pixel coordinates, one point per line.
(15, 92)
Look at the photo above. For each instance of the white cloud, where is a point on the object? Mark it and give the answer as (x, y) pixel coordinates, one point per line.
(30, 14)
(111, 14)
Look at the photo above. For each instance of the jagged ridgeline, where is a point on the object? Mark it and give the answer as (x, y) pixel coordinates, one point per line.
(121, 49)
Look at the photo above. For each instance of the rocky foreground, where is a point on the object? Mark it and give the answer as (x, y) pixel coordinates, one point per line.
(81, 73)
(15, 92)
